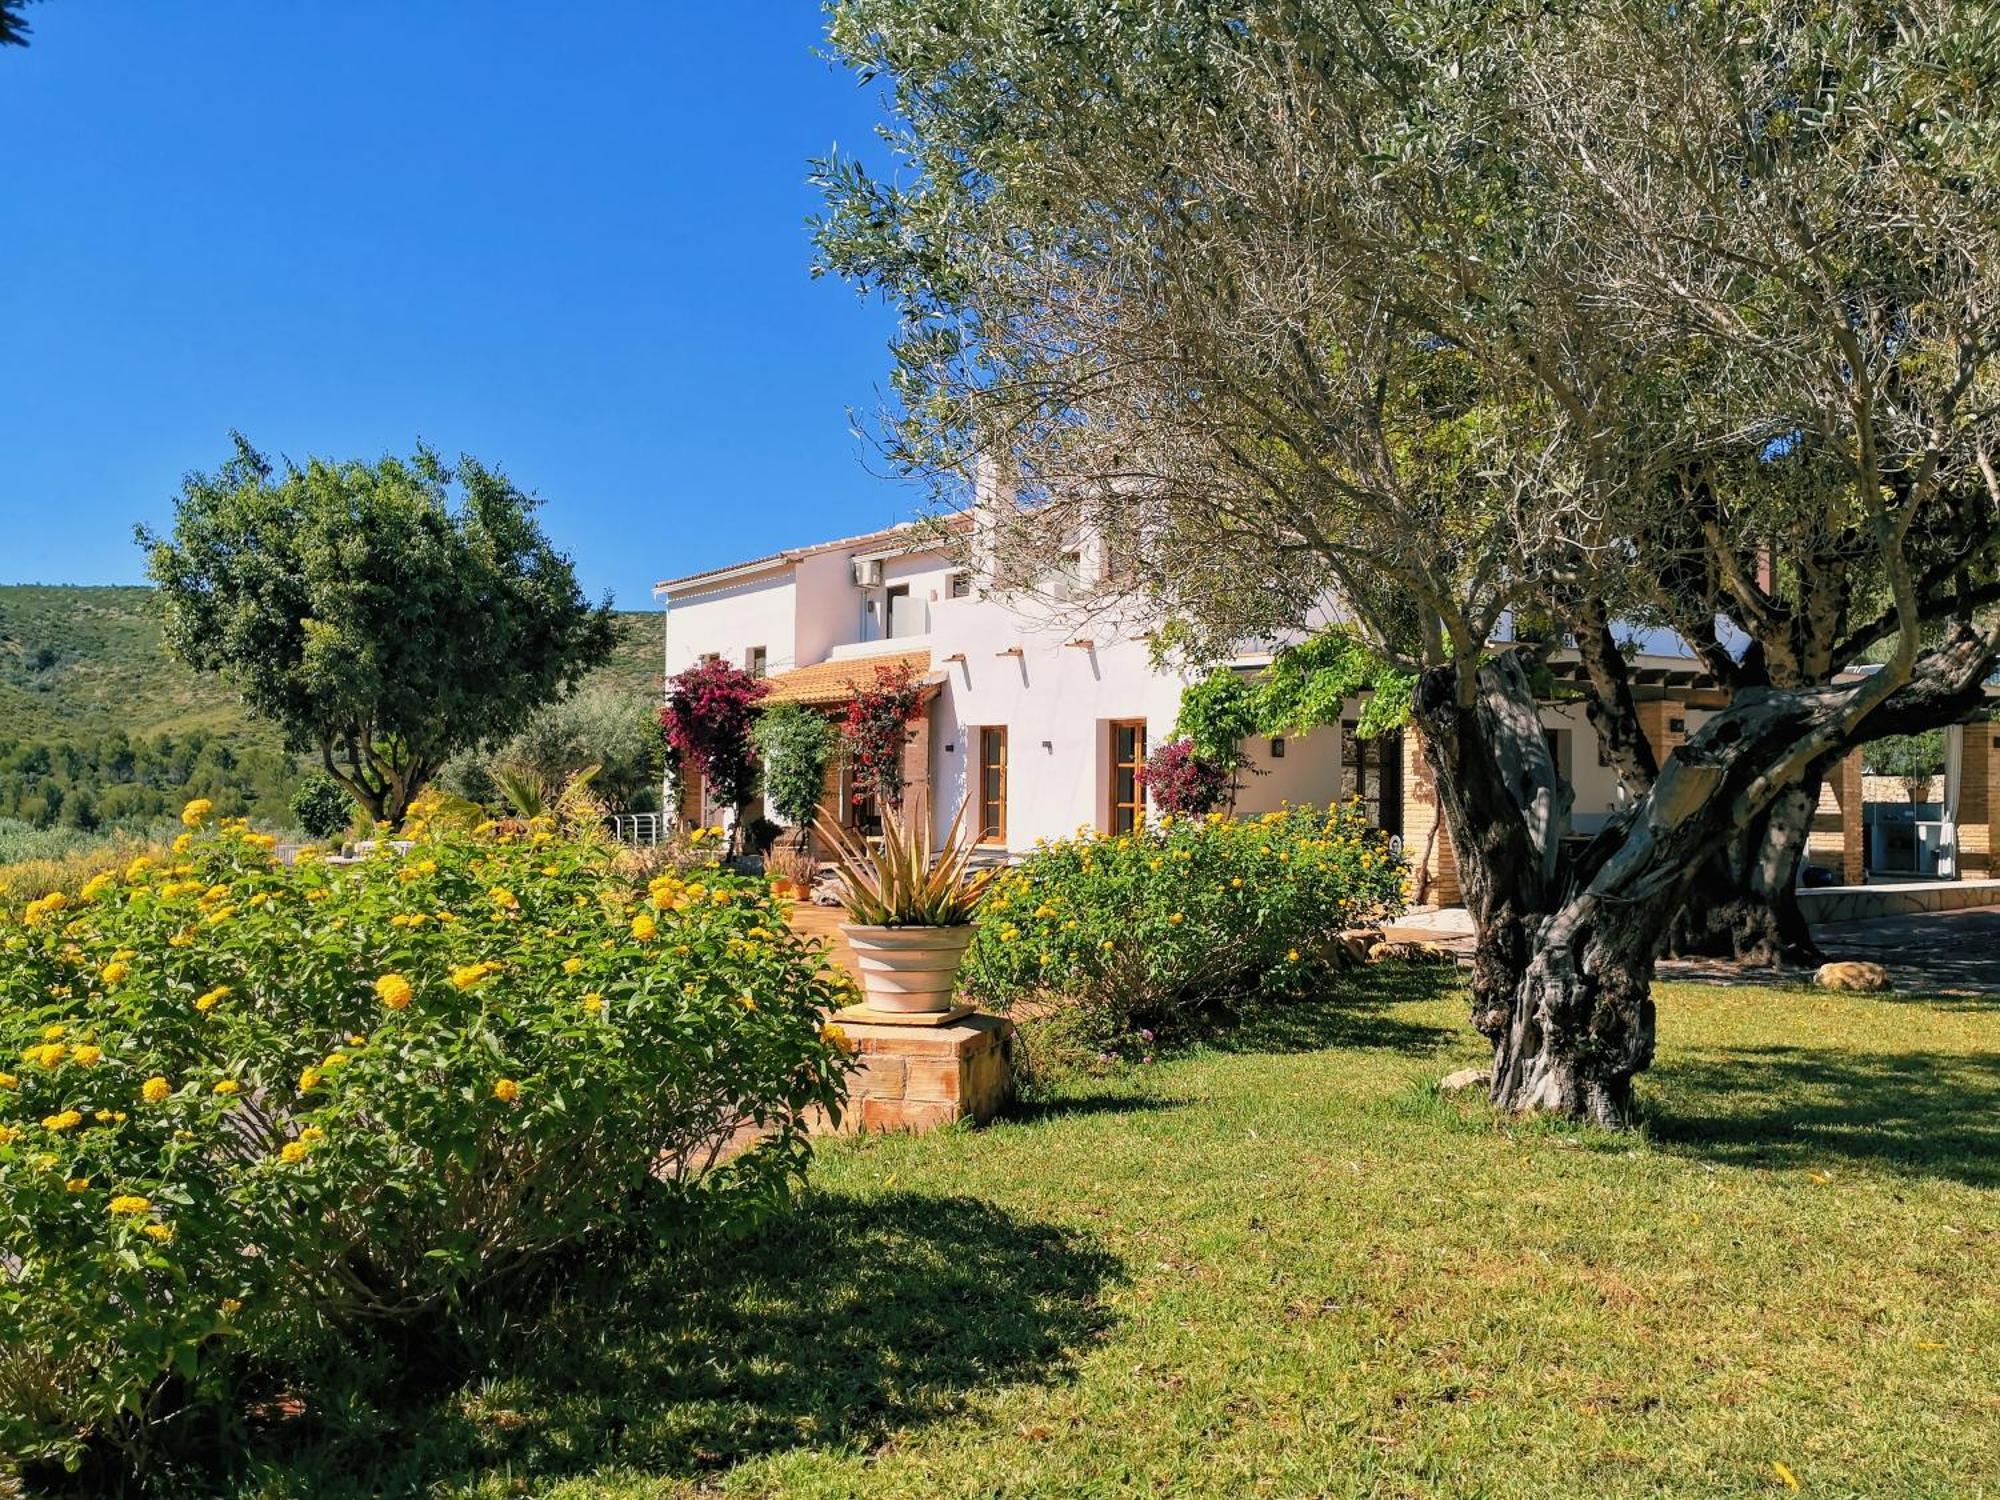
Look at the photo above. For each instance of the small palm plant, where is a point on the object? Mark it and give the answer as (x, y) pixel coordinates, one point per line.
(897, 880)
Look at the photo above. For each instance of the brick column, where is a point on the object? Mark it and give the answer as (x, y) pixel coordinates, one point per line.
(1979, 804)
(1421, 814)
(1664, 723)
(1853, 822)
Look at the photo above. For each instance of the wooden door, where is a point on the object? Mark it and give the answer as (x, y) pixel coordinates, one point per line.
(993, 785)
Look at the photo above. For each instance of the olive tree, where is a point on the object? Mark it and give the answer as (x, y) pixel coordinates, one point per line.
(384, 615)
(1481, 329)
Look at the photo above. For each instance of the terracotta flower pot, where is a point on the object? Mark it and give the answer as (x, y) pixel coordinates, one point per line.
(909, 969)
(783, 888)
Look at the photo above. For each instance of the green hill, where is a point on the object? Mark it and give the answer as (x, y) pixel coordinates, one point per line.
(98, 724)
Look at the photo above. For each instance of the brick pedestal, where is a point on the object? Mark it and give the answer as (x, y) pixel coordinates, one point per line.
(918, 1074)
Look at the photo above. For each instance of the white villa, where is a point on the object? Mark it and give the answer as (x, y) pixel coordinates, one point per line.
(1041, 709)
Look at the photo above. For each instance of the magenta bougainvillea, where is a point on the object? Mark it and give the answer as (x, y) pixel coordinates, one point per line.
(709, 712)
(1180, 781)
(875, 729)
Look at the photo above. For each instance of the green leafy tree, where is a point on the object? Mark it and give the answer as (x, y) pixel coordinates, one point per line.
(1217, 714)
(797, 744)
(322, 806)
(383, 615)
(1912, 759)
(1308, 686)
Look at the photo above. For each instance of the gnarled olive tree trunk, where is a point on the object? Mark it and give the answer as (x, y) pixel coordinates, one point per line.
(1563, 968)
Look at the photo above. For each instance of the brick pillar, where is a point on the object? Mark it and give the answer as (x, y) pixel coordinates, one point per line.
(1846, 781)
(1979, 804)
(1421, 814)
(1664, 723)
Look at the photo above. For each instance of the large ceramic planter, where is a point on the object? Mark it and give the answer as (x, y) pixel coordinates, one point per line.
(912, 970)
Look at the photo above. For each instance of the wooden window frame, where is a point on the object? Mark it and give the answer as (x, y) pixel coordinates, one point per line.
(993, 829)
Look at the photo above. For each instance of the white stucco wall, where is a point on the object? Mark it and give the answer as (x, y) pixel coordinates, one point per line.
(1056, 701)
(1307, 774)
(731, 618)
(1597, 791)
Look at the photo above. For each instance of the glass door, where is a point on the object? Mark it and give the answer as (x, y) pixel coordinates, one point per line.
(1128, 758)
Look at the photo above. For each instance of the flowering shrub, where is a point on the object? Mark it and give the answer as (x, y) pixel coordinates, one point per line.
(875, 730)
(244, 1106)
(710, 710)
(1187, 911)
(1179, 781)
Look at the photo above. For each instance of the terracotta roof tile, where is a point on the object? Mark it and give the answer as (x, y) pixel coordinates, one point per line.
(830, 682)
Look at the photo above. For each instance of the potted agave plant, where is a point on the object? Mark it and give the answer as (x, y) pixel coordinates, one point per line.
(910, 909)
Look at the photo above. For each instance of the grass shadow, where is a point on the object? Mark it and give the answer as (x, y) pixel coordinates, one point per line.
(1934, 1114)
(1035, 1107)
(852, 1319)
(1362, 1008)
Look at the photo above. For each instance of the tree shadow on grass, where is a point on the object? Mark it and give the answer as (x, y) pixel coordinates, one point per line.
(1932, 1114)
(1062, 1107)
(1363, 1008)
(848, 1321)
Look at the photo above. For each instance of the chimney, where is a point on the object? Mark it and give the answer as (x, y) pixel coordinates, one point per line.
(993, 501)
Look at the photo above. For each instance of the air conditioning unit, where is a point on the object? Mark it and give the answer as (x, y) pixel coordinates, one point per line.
(867, 572)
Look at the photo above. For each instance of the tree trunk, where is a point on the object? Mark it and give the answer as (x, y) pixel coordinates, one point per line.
(1563, 966)
(1744, 904)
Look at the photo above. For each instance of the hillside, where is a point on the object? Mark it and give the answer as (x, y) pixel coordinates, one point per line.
(84, 678)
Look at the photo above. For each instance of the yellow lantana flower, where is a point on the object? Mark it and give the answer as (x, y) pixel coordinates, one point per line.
(228, 1086)
(292, 1153)
(69, 1119)
(394, 991)
(506, 1090)
(160, 1232)
(129, 1203)
(155, 1089)
(593, 1002)
(309, 1079)
(207, 1002)
(86, 1057)
(196, 812)
(471, 974)
(114, 972)
(643, 927)
(572, 965)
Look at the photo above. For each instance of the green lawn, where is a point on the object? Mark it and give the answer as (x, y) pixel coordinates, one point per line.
(1281, 1266)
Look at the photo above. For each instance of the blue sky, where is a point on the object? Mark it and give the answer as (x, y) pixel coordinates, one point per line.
(568, 239)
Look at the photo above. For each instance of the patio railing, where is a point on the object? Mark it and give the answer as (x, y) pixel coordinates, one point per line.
(638, 828)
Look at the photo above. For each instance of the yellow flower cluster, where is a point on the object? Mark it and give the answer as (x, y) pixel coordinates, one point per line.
(130, 1203)
(35, 913)
(155, 1089)
(394, 991)
(469, 976)
(196, 812)
(506, 1090)
(212, 998)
